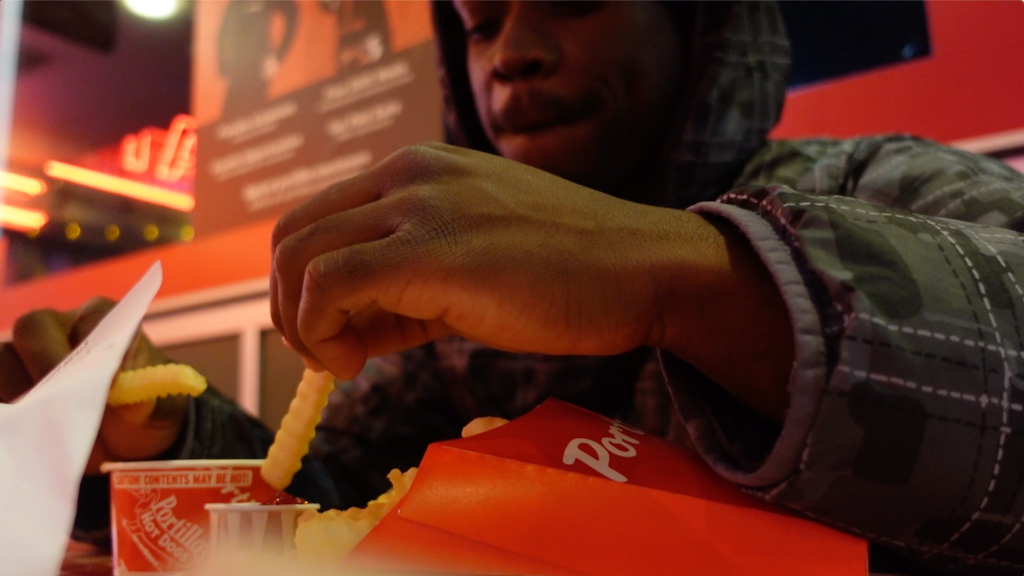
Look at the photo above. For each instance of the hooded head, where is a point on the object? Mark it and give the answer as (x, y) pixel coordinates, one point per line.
(661, 103)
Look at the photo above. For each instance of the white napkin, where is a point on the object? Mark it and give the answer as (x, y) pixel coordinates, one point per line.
(47, 434)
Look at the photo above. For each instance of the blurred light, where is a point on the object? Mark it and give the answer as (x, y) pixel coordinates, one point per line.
(179, 150)
(152, 9)
(169, 155)
(112, 232)
(23, 184)
(188, 233)
(150, 232)
(120, 186)
(34, 233)
(22, 219)
(135, 149)
(72, 231)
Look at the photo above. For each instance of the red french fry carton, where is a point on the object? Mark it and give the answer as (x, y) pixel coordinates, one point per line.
(564, 491)
(158, 518)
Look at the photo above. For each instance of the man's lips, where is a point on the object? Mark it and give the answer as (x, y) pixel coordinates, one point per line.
(530, 110)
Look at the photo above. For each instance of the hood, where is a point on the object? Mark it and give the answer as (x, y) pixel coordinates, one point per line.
(735, 83)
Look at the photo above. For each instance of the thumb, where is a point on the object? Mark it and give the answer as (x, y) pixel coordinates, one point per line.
(132, 415)
(155, 414)
(140, 431)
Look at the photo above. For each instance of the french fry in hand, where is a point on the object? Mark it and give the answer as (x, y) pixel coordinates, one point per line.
(298, 427)
(152, 382)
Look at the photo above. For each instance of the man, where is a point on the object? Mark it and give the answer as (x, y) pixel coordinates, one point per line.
(826, 351)
(247, 58)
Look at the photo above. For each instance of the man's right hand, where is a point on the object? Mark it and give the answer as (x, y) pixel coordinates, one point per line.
(438, 240)
(42, 338)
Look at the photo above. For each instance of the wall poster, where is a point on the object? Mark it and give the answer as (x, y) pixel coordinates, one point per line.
(292, 96)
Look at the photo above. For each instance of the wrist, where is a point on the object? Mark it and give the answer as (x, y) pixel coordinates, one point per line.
(721, 311)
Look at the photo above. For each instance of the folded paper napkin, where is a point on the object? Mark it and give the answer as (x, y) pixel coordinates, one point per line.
(48, 434)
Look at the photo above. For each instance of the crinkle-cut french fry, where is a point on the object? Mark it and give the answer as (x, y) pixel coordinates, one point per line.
(298, 427)
(328, 537)
(481, 425)
(153, 382)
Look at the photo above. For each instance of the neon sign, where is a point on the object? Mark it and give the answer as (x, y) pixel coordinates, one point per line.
(167, 155)
(22, 219)
(120, 186)
(23, 184)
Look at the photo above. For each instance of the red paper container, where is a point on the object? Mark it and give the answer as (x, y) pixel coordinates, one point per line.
(159, 522)
(562, 491)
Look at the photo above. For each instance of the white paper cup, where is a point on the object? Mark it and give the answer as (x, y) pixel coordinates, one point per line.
(265, 528)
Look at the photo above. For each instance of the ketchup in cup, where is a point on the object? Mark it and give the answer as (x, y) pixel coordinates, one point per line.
(282, 498)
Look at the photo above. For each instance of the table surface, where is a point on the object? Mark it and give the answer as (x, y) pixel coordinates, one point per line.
(86, 560)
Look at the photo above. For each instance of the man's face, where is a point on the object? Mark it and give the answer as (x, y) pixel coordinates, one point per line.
(584, 90)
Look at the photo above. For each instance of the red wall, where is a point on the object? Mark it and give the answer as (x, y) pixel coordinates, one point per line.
(234, 256)
(971, 85)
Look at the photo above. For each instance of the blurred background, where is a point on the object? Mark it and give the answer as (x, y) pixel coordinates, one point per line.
(89, 75)
(139, 130)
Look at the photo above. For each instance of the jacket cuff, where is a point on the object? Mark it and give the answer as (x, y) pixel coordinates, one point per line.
(725, 452)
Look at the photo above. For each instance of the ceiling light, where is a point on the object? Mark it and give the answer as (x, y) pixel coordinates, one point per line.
(153, 9)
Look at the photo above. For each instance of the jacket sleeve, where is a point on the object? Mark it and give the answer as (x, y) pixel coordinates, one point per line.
(905, 285)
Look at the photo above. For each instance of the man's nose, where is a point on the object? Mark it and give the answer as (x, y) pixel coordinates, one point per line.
(526, 48)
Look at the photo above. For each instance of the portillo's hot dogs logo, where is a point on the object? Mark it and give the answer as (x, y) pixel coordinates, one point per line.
(164, 539)
(618, 442)
(161, 523)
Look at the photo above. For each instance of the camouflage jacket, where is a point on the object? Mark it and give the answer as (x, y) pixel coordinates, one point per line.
(898, 260)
